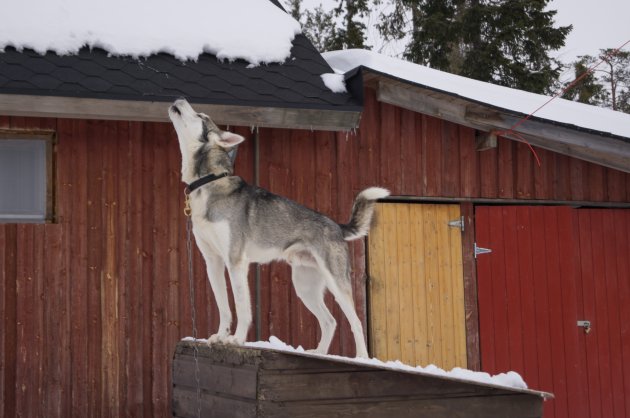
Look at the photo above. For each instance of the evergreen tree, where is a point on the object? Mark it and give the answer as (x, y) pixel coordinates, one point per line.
(588, 90)
(294, 8)
(352, 32)
(615, 72)
(623, 104)
(608, 85)
(319, 26)
(500, 41)
(429, 24)
(339, 28)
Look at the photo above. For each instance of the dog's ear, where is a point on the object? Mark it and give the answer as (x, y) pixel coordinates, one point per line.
(229, 139)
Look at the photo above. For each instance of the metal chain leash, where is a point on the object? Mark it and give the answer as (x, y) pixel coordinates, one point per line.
(192, 308)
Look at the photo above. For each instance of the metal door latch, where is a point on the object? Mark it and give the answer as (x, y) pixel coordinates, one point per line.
(480, 250)
(586, 325)
(457, 223)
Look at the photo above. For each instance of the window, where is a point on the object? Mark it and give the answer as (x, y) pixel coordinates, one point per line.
(25, 178)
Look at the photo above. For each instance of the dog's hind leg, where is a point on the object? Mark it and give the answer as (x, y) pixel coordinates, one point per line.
(309, 285)
(216, 276)
(342, 291)
(242, 302)
(339, 284)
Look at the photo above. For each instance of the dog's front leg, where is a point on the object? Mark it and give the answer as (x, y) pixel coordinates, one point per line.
(216, 276)
(242, 302)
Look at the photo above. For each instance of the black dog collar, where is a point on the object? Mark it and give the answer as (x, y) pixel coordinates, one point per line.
(204, 180)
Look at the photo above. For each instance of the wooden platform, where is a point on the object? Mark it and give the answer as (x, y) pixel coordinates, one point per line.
(254, 382)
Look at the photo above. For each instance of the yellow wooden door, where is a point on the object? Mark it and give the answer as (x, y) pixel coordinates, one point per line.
(416, 287)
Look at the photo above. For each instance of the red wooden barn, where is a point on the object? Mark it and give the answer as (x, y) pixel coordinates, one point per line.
(93, 264)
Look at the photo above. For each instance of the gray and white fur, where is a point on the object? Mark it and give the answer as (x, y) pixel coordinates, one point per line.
(236, 224)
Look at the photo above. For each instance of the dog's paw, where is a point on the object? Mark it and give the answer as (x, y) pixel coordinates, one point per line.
(218, 339)
(233, 340)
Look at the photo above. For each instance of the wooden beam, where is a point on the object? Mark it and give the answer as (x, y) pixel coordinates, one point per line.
(470, 287)
(485, 140)
(493, 201)
(150, 111)
(421, 100)
(598, 149)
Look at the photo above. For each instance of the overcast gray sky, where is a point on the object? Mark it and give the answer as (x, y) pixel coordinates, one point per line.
(596, 24)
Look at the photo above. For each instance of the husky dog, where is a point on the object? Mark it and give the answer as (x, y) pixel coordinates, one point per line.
(236, 224)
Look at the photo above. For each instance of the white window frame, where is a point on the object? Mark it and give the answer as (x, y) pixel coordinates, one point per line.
(49, 140)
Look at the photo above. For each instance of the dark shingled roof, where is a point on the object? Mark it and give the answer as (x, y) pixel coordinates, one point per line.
(93, 74)
(92, 84)
(293, 86)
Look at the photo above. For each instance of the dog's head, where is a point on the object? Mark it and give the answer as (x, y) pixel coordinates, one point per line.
(205, 148)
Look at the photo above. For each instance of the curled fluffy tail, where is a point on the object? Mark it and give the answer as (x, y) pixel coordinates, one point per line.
(362, 212)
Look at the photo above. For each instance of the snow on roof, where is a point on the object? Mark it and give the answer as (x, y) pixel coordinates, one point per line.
(254, 30)
(559, 110)
(334, 82)
(509, 379)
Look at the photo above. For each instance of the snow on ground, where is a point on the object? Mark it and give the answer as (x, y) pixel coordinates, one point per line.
(334, 82)
(509, 379)
(559, 110)
(253, 30)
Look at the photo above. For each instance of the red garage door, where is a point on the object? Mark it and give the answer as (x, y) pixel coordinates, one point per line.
(551, 267)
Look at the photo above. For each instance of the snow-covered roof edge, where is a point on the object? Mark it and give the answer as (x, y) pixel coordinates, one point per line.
(253, 30)
(559, 111)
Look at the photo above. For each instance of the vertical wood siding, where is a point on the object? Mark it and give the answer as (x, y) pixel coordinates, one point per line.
(92, 305)
(418, 155)
(603, 297)
(550, 267)
(521, 303)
